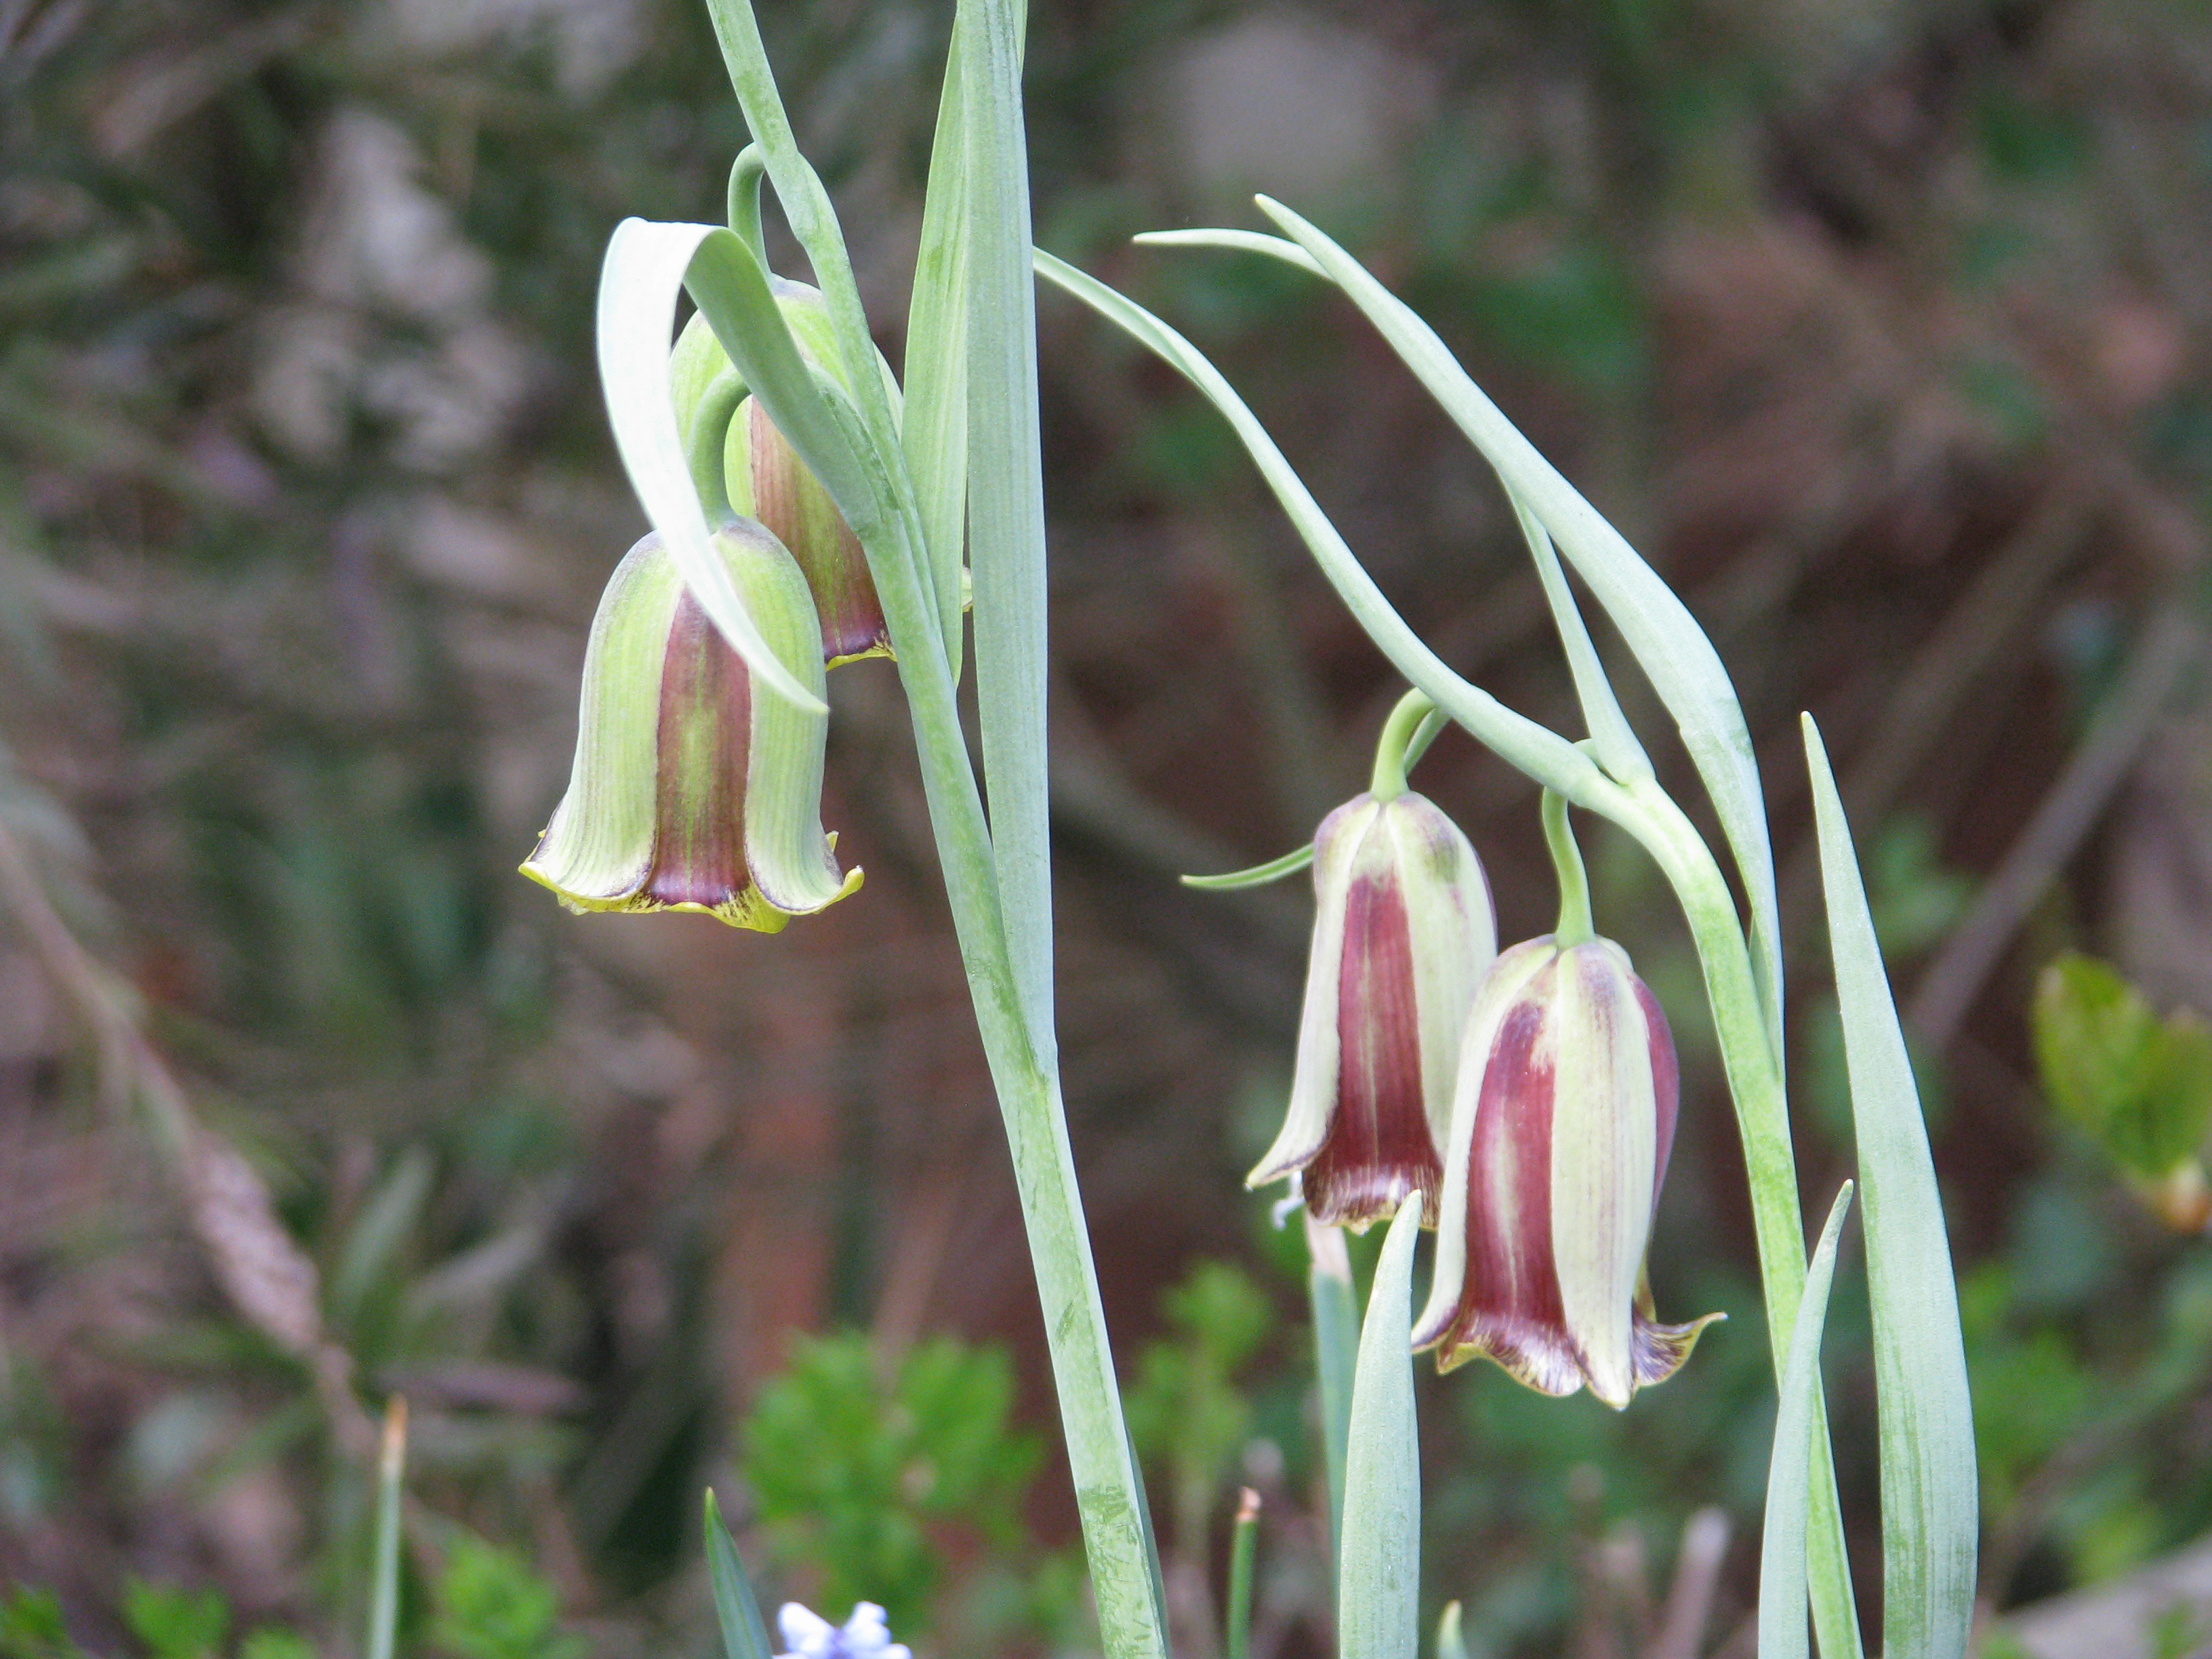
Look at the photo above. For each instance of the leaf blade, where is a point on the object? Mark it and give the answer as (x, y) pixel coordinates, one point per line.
(644, 268)
(1378, 1594)
(1929, 1497)
(1782, 1578)
(744, 1634)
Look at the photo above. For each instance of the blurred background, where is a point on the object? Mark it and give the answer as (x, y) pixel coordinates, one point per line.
(1881, 325)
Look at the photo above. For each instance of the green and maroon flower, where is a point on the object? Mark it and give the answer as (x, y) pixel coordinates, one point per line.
(690, 791)
(1561, 1123)
(1402, 932)
(765, 479)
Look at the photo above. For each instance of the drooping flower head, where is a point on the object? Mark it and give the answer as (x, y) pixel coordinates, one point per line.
(1561, 1124)
(808, 1635)
(764, 479)
(690, 791)
(1402, 932)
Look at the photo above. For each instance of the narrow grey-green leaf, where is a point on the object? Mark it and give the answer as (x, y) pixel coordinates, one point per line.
(1683, 667)
(644, 269)
(806, 206)
(935, 429)
(1336, 1357)
(1930, 1503)
(1258, 876)
(1243, 241)
(1543, 755)
(1378, 1594)
(1782, 1603)
(1612, 738)
(744, 1635)
(1005, 497)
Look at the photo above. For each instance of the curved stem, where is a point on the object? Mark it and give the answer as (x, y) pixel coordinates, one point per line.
(1391, 749)
(1574, 923)
(706, 442)
(745, 176)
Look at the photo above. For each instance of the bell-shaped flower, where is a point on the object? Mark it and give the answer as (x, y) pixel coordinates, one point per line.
(690, 791)
(765, 479)
(1561, 1123)
(1402, 932)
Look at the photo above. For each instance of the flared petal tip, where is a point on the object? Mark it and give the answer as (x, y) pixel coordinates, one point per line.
(1541, 1356)
(1659, 1349)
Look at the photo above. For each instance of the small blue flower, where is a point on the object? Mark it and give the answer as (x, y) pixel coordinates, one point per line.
(810, 1636)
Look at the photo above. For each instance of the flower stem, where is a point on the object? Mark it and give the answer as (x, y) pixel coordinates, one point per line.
(1391, 758)
(1574, 923)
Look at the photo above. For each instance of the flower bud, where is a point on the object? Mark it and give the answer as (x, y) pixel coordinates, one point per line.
(690, 792)
(1402, 932)
(1561, 1122)
(767, 480)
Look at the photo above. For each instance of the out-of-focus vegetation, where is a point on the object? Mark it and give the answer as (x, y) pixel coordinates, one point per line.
(1883, 328)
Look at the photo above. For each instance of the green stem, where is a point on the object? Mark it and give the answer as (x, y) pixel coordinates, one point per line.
(744, 199)
(1757, 1087)
(1575, 924)
(1015, 1036)
(707, 443)
(1243, 1546)
(384, 1578)
(1391, 756)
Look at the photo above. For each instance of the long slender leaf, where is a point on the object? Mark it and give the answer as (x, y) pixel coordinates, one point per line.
(935, 429)
(1378, 1594)
(807, 206)
(1336, 1357)
(1005, 495)
(1683, 667)
(1611, 735)
(1782, 1603)
(744, 1634)
(1929, 1502)
(1243, 1547)
(1543, 755)
(644, 269)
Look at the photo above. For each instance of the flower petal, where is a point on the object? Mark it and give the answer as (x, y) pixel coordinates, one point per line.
(1314, 1073)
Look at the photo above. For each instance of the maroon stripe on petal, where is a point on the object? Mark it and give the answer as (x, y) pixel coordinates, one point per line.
(1378, 1147)
(1666, 1079)
(706, 726)
(1510, 1290)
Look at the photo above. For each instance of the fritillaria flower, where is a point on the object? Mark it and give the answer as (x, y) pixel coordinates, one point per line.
(690, 791)
(1402, 932)
(1561, 1123)
(764, 479)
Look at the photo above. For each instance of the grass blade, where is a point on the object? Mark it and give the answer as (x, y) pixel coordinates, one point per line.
(935, 429)
(384, 1579)
(744, 1635)
(1781, 1601)
(1929, 1502)
(1379, 1596)
(1005, 495)
(1243, 1547)
(645, 267)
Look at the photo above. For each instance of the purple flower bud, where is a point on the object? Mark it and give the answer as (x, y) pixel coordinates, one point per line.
(1402, 933)
(1561, 1123)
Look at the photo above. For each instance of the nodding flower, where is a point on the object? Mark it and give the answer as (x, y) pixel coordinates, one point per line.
(1561, 1123)
(688, 791)
(747, 468)
(1402, 932)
